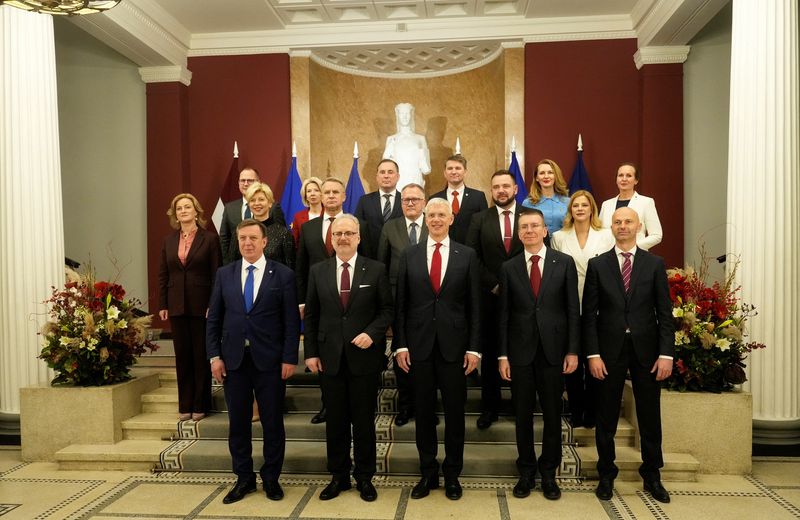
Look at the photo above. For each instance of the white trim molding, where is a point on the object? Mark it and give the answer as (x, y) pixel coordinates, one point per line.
(166, 74)
(660, 55)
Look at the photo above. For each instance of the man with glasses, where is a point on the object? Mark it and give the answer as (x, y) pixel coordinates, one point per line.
(396, 236)
(237, 210)
(377, 207)
(348, 310)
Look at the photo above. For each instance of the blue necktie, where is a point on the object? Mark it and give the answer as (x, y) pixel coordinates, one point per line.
(412, 237)
(249, 286)
(247, 213)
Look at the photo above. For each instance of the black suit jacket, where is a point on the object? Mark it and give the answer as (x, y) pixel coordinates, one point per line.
(370, 210)
(551, 321)
(184, 290)
(451, 318)
(646, 309)
(394, 240)
(330, 329)
(231, 216)
(311, 250)
(486, 239)
(473, 201)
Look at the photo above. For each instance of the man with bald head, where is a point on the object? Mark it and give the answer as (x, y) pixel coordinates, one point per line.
(627, 325)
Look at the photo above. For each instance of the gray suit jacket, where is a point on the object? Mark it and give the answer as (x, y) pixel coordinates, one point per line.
(393, 241)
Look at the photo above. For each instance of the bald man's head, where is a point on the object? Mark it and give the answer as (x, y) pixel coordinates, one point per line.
(624, 225)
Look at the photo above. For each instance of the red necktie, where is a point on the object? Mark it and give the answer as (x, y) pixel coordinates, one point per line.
(328, 237)
(455, 203)
(344, 286)
(507, 230)
(626, 271)
(536, 275)
(436, 269)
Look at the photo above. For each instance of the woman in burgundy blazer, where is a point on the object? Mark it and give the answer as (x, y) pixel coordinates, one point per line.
(190, 258)
(311, 193)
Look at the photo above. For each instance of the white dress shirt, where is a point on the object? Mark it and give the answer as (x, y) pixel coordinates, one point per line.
(326, 222)
(392, 201)
(502, 218)
(350, 269)
(258, 274)
(418, 222)
(460, 191)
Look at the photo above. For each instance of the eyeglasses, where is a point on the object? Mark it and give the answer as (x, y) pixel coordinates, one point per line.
(411, 201)
(346, 234)
(247, 181)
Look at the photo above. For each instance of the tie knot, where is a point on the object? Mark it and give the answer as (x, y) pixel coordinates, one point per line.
(506, 212)
(455, 193)
(627, 255)
(386, 196)
(251, 268)
(535, 259)
(345, 265)
(413, 225)
(331, 219)
(438, 245)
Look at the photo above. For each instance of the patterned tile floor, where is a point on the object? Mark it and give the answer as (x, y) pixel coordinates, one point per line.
(40, 491)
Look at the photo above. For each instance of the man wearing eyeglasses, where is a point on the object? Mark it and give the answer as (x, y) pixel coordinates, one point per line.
(377, 207)
(348, 310)
(396, 236)
(237, 210)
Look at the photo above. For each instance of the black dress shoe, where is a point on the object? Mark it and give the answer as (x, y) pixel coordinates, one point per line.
(605, 489)
(273, 490)
(423, 487)
(333, 489)
(367, 490)
(320, 417)
(657, 491)
(550, 489)
(402, 418)
(486, 419)
(452, 489)
(238, 492)
(523, 487)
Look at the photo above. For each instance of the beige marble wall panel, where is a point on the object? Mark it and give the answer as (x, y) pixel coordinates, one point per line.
(301, 122)
(515, 100)
(468, 105)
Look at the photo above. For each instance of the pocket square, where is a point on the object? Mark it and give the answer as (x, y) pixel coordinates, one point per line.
(362, 286)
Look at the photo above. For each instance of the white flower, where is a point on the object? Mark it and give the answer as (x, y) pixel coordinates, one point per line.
(65, 341)
(113, 312)
(122, 324)
(677, 312)
(723, 344)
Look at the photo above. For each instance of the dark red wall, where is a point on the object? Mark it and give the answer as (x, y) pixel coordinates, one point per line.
(593, 88)
(191, 131)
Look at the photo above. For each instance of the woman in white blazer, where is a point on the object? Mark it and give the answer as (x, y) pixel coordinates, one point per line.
(582, 237)
(627, 179)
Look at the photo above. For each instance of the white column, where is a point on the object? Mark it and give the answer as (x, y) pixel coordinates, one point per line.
(764, 204)
(31, 223)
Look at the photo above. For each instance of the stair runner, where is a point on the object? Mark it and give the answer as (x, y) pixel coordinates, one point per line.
(202, 445)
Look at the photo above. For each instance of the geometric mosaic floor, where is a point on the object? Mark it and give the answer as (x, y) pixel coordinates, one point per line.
(40, 491)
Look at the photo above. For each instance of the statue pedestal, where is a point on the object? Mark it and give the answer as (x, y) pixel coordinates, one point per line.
(717, 429)
(52, 418)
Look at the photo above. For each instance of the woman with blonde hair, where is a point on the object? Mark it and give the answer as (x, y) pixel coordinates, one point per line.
(190, 257)
(582, 237)
(280, 244)
(549, 194)
(311, 193)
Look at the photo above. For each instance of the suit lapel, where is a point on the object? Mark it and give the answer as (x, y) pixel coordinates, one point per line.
(550, 265)
(613, 264)
(266, 281)
(197, 243)
(521, 271)
(359, 272)
(452, 261)
(639, 261)
(422, 263)
(331, 283)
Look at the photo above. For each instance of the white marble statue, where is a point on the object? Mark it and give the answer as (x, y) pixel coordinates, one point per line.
(408, 149)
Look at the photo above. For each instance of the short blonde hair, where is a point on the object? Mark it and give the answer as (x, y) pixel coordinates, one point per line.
(173, 219)
(559, 186)
(594, 220)
(262, 187)
(310, 180)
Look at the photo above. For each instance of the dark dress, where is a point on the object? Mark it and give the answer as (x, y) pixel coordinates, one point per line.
(280, 244)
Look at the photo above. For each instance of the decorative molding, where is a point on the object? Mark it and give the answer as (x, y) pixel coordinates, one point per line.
(166, 74)
(299, 54)
(660, 55)
(408, 62)
(513, 45)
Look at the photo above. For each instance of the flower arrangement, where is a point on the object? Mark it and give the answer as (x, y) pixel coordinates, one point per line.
(710, 345)
(95, 334)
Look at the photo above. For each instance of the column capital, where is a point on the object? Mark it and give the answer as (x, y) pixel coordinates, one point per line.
(166, 74)
(658, 55)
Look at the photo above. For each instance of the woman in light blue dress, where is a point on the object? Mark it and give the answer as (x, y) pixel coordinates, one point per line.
(548, 193)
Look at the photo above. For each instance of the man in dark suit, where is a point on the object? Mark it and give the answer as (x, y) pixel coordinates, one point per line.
(493, 236)
(396, 236)
(316, 245)
(464, 201)
(377, 207)
(539, 336)
(438, 340)
(628, 326)
(252, 339)
(235, 211)
(348, 309)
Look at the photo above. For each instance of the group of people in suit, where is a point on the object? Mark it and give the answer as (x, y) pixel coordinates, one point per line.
(459, 284)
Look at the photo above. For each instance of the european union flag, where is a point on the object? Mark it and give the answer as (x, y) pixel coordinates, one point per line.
(522, 189)
(354, 189)
(580, 178)
(291, 200)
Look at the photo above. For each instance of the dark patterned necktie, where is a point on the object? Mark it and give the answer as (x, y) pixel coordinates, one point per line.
(344, 286)
(387, 207)
(626, 271)
(536, 275)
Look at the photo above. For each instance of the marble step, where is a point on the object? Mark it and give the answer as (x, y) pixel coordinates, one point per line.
(308, 457)
(626, 434)
(126, 455)
(678, 467)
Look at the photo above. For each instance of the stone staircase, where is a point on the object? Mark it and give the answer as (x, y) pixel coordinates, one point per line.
(156, 440)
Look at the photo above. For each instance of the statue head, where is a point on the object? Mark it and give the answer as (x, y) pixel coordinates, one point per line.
(404, 112)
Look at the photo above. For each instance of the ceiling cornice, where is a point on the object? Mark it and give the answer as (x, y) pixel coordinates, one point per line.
(661, 55)
(166, 74)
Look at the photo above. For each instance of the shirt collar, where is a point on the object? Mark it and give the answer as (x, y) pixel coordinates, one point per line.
(326, 216)
(445, 242)
(619, 251)
(350, 262)
(418, 221)
(260, 264)
(512, 209)
(542, 252)
(390, 193)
